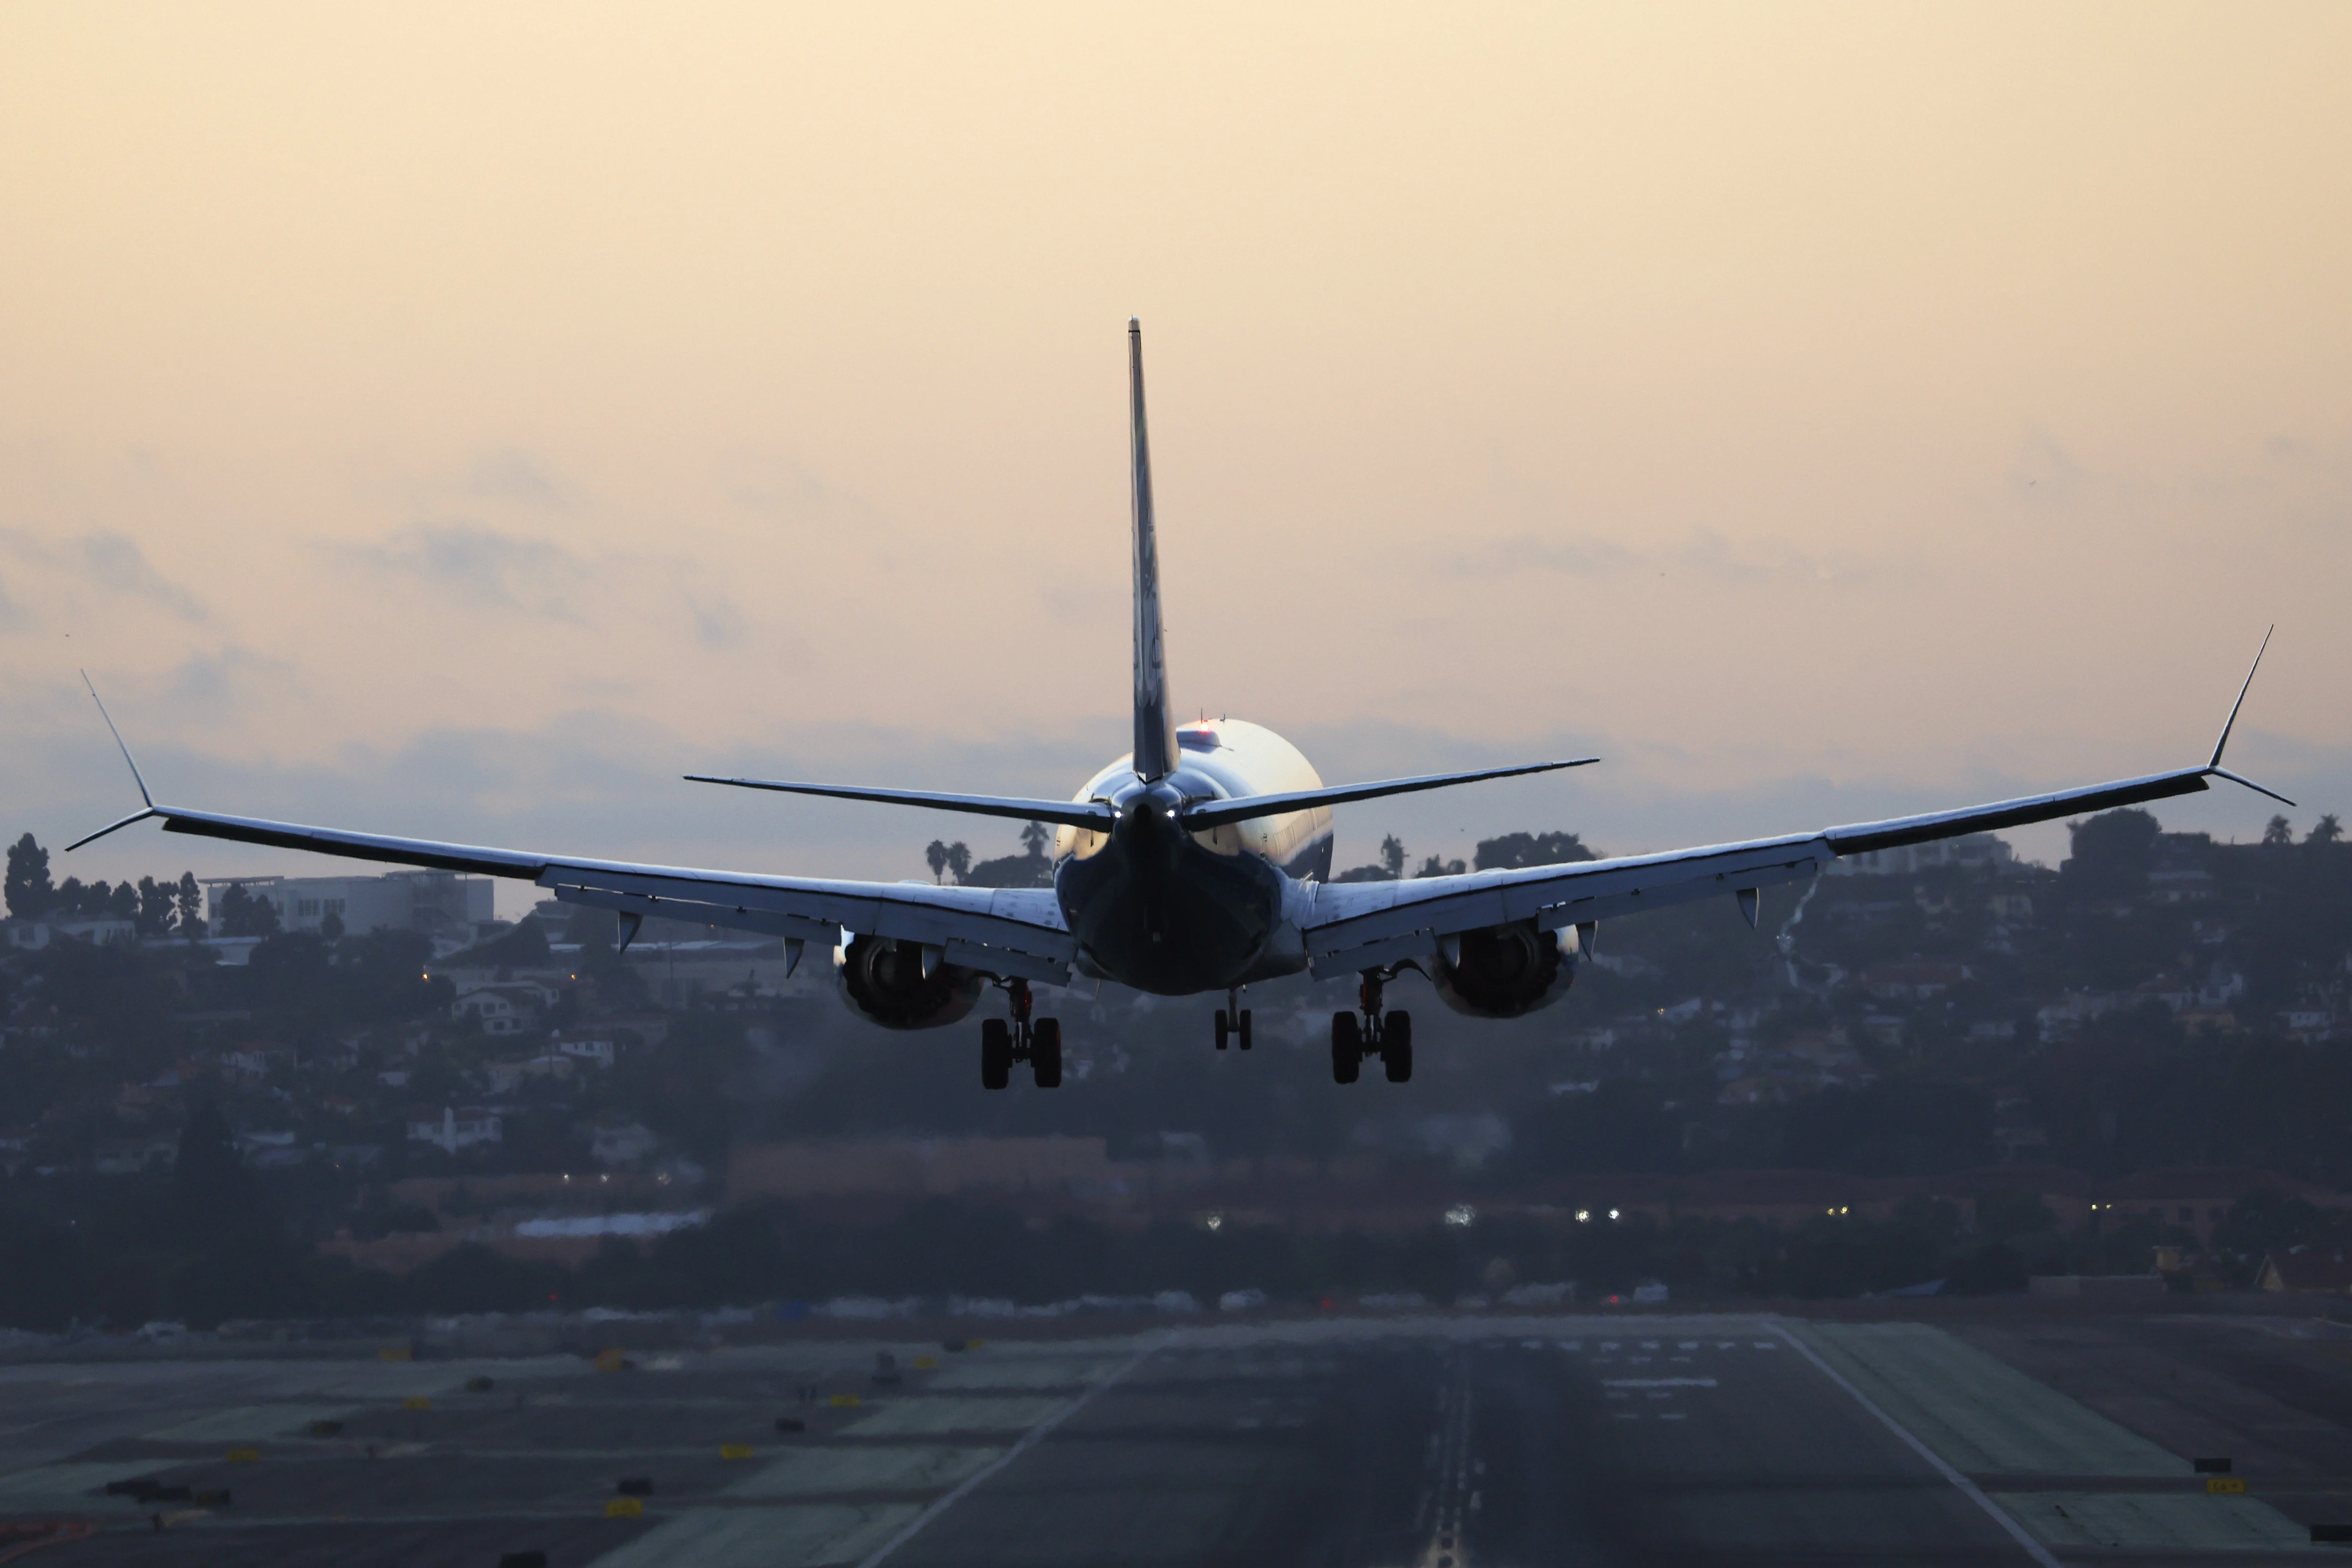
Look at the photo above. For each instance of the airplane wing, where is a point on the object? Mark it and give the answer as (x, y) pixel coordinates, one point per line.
(1003, 932)
(1356, 926)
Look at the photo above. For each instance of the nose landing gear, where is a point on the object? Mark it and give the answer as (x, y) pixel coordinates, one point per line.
(1004, 1041)
(1233, 1020)
(1388, 1036)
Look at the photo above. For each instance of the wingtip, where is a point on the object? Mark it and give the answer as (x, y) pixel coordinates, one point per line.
(121, 745)
(2230, 723)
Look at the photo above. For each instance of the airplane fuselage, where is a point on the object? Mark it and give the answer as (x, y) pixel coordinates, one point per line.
(1173, 912)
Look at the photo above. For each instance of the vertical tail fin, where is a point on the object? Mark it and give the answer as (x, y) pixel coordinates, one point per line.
(1155, 731)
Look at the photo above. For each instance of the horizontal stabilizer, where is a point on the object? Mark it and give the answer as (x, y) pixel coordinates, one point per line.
(1094, 814)
(1204, 815)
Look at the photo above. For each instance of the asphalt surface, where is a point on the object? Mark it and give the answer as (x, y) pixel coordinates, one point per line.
(1451, 1442)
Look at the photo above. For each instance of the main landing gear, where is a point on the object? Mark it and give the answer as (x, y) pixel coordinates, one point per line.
(1005, 1041)
(1373, 1033)
(1233, 1020)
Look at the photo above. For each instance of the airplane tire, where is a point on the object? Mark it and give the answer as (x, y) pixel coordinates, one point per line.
(1347, 1048)
(995, 1053)
(1243, 1029)
(1224, 1028)
(1396, 1046)
(1045, 1053)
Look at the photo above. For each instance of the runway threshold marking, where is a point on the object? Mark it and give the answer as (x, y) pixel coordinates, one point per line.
(1028, 1440)
(2011, 1525)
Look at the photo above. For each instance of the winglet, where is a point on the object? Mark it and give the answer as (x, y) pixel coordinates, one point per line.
(142, 783)
(2230, 723)
(134, 817)
(2215, 767)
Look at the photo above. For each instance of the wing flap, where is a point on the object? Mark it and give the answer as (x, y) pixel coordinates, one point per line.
(1347, 936)
(1002, 931)
(1358, 925)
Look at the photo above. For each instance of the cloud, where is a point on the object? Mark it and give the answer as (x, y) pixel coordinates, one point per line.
(509, 475)
(485, 566)
(111, 562)
(718, 625)
(2045, 472)
(1706, 556)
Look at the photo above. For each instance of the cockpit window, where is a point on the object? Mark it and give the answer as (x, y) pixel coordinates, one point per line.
(1202, 740)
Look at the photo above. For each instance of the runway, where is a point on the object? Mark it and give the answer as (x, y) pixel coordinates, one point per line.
(1451, 1442)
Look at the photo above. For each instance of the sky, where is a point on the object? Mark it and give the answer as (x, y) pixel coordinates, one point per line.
(461, 421)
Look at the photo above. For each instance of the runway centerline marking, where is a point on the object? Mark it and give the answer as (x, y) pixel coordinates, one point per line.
(1028, 1440)
(2011, 1525)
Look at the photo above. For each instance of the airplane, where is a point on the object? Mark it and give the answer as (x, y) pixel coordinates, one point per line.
(1198, 863)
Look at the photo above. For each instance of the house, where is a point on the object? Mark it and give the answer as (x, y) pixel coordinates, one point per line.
(599, 1053)
(1915, 981)
(2309, 1025)
(130, 1156)
(455, 1129)
(2064, 1019)
(98, 932)
(255, 1061)
(625, 1144)
(2306, 1270)
(499, 1009)
(504, 1075)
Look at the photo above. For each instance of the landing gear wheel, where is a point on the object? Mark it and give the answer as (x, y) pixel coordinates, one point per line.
(1243, 1029)
(1347, 1048)
(995, 1053)
(1045, 1053)
(1396, 1046)
(1224, 1028)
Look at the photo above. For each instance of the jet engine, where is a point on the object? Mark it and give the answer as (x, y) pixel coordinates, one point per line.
(898, 985)
(1503, 970)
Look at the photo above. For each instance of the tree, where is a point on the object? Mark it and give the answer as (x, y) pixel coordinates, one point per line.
(242, 913)
(2327, 830)
(958, 858)
(29, 890)
(155, 907)
(2278, 831)
(1392, 857)
(190, 900)
(330, 927)
(935, 854)
(122, 904)
(1434, 867)
(2110, 854)
(1513, 851)
(1036, 837)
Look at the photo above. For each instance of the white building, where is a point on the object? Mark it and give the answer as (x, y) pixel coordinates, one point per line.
(455, 1129)
(501, 1009)
(1978, 849)
(398, 900)
(597, 1052)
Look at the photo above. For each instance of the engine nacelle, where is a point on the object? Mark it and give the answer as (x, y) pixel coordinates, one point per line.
(883, 981)
(1502, 972)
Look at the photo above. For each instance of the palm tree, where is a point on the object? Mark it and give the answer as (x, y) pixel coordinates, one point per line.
(1036, 836)
(2327, 830)
(2279, 831)
(1392, 857)
(958, 858)
(935, 854)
